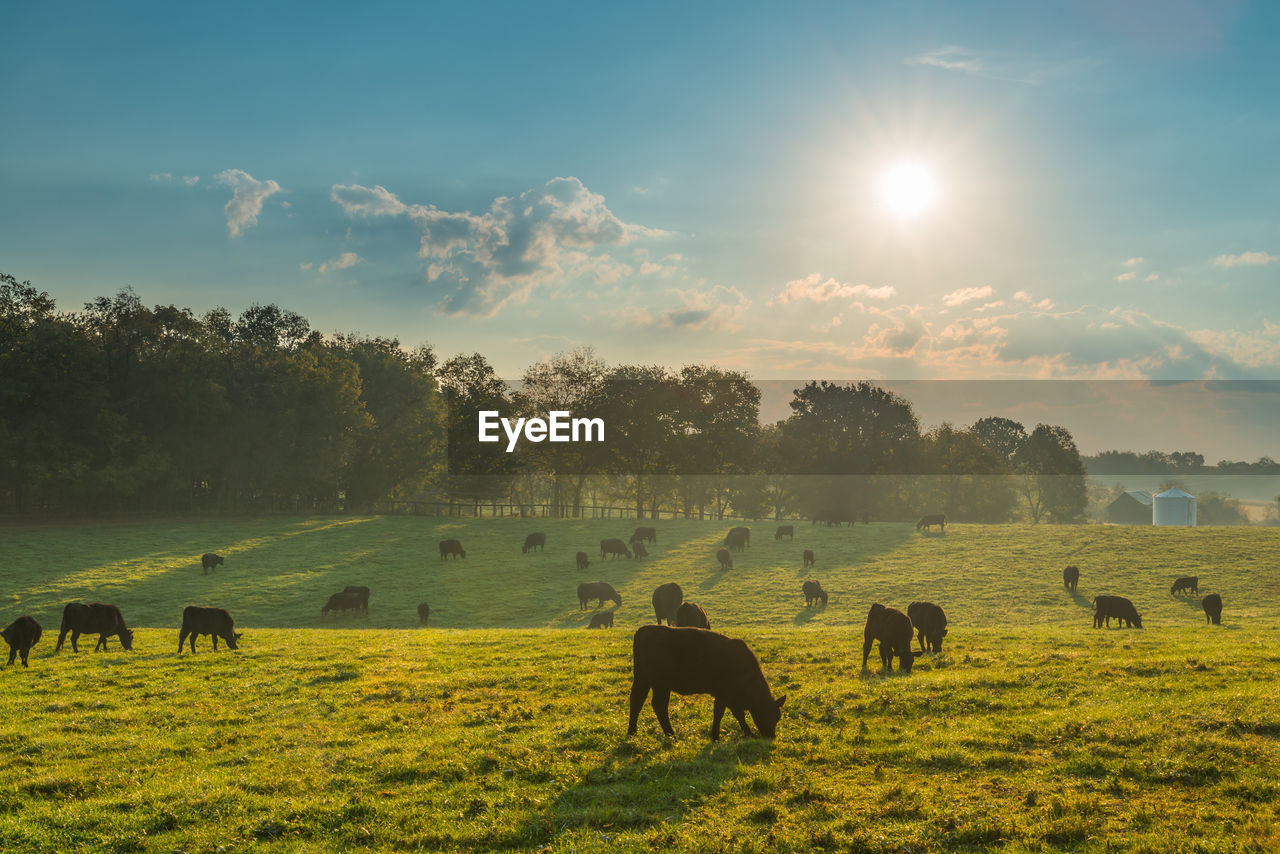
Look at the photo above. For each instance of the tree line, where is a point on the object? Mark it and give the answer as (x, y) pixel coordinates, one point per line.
(121, 406)
(1177, 462)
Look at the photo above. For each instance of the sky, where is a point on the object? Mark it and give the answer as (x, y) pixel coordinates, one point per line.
(670, 183)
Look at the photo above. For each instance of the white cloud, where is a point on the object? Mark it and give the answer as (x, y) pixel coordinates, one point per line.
(814, 289)
(1244, 259)
(1151, 277)
(951, 59)
(963, 295)
(718, 308)
(1126, 277)
(1135, 261)
(247, 197)
(345, 261)
(304, 266)
(191, 180)
(162, 177)
(1031, 69)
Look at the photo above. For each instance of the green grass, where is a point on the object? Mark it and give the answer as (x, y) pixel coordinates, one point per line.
(500, 729)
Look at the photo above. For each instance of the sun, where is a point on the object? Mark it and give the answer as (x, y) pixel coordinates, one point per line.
(908, 190)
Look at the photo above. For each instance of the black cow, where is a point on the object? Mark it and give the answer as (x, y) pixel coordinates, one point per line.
(598, 590)
(725, 558)
(738, 539)
(893, 630)
(583, 560)
(697, 661)
(808, 558)
(812, 593)
(424, 613)
(640, 550)
(614, 547)
(689, 614)
(451, 548)
(1212, 605)
(788, 531)
(210, 562)
(666, 602)
(939, 519)
(343, 602)
(1106, 607)
(931, 624)
(649, 535)
(207, 621)
(602, 620)
(22, 634)
(1190, 583)
(94, 618)
(362, 596)
(1071, 577)
(536, 540)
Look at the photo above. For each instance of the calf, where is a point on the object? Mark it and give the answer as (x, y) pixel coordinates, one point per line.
(1071, 577)
(738, 539)
(614, 547)
(94, 618)
(598, 590)
(451, 548)
(362, 597)
(343, 602)
(1190, 583)
(691, 615)
(649, 535)
(725, 558)
(424, 613)
(1212, 605)
(931, 623)
(533, 541)
(666, 602)
(812, 593)
(808, 558)
(939, 519)
(582, 559)
(210, 562)
(1106, 607)
(640, 550)
(602, 620)
(788, 531)
(697, 661)
(892, 629)
(207, 621)
(22, 634)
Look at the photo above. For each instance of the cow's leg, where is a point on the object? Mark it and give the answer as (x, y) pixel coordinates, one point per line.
(639, 691)
(661, 701)
(26, 650)
(866, 651)
(75, 636)
(215, 641)
(101, 644)
(13, 651)
(182, 637)
(716, 715)
(742, 722)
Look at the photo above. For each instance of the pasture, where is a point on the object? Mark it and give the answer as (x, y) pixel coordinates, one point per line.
(501, 726)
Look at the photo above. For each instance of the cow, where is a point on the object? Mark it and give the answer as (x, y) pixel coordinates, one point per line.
(343, 602)
(1106, 607)
(689, 614)
(451, 548)
(614, 547)
(1212, 605)
(893, 630)
(94, 618)
(362, 597)
(640, 550)
(812, 593)
(210, 562)
(698, 661)
(598, 590)
(647, 534)
(931, 623)
(808, 558)
(788, 531)
(1071, 577)
(602, 620)
(666, 602)
(738, 539)
(22, 634)
(583, 560)
(1189, 583)
(725, 558)
(536, 540)
(207, 621)
(926, 522)
(424, 613)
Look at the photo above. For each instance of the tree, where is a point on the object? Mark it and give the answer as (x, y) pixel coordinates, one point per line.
(1052, 480)
(1004, 437)
(477, 470)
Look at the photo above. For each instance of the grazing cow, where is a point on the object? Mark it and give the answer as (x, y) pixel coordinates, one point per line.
(1190, 583)
(926, 522)
(1106, 607)
(451, 548)
(697, 661)
(1212, 605)
(640, 550)
(691, 615)
(892, 629)
(725, 558)
(583, 561)
(210, 562)
(666, 602)
(931, 623)
(424, 613)
(207, 621)
(362, 596)
(94, 618)
(343, 602)
(602, 620)
(812, 593)
(614, 547)
(22, 634)
(808, 558)
(598, 590)
(649, 535)
(533, 541)
(788, 531)
(738, 539)
(1071, 577)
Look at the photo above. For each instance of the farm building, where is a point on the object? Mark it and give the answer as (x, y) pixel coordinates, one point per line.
(1174, 507)
(1132, 508)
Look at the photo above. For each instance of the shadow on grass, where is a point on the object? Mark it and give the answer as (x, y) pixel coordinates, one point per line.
(1081, 600)
(807, 614)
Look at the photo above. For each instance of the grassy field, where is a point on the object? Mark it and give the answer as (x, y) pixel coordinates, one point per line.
(500, 729)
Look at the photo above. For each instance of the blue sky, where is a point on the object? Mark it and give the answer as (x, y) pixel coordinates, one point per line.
(670, 184)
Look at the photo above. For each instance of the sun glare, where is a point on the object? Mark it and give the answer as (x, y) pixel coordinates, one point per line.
(908, 190)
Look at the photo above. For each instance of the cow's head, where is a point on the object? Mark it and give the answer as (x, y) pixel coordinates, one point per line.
(823, 594)
(906, 659)
(768, 714)
(232, 640)
(126, 638)
(1137, 621)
